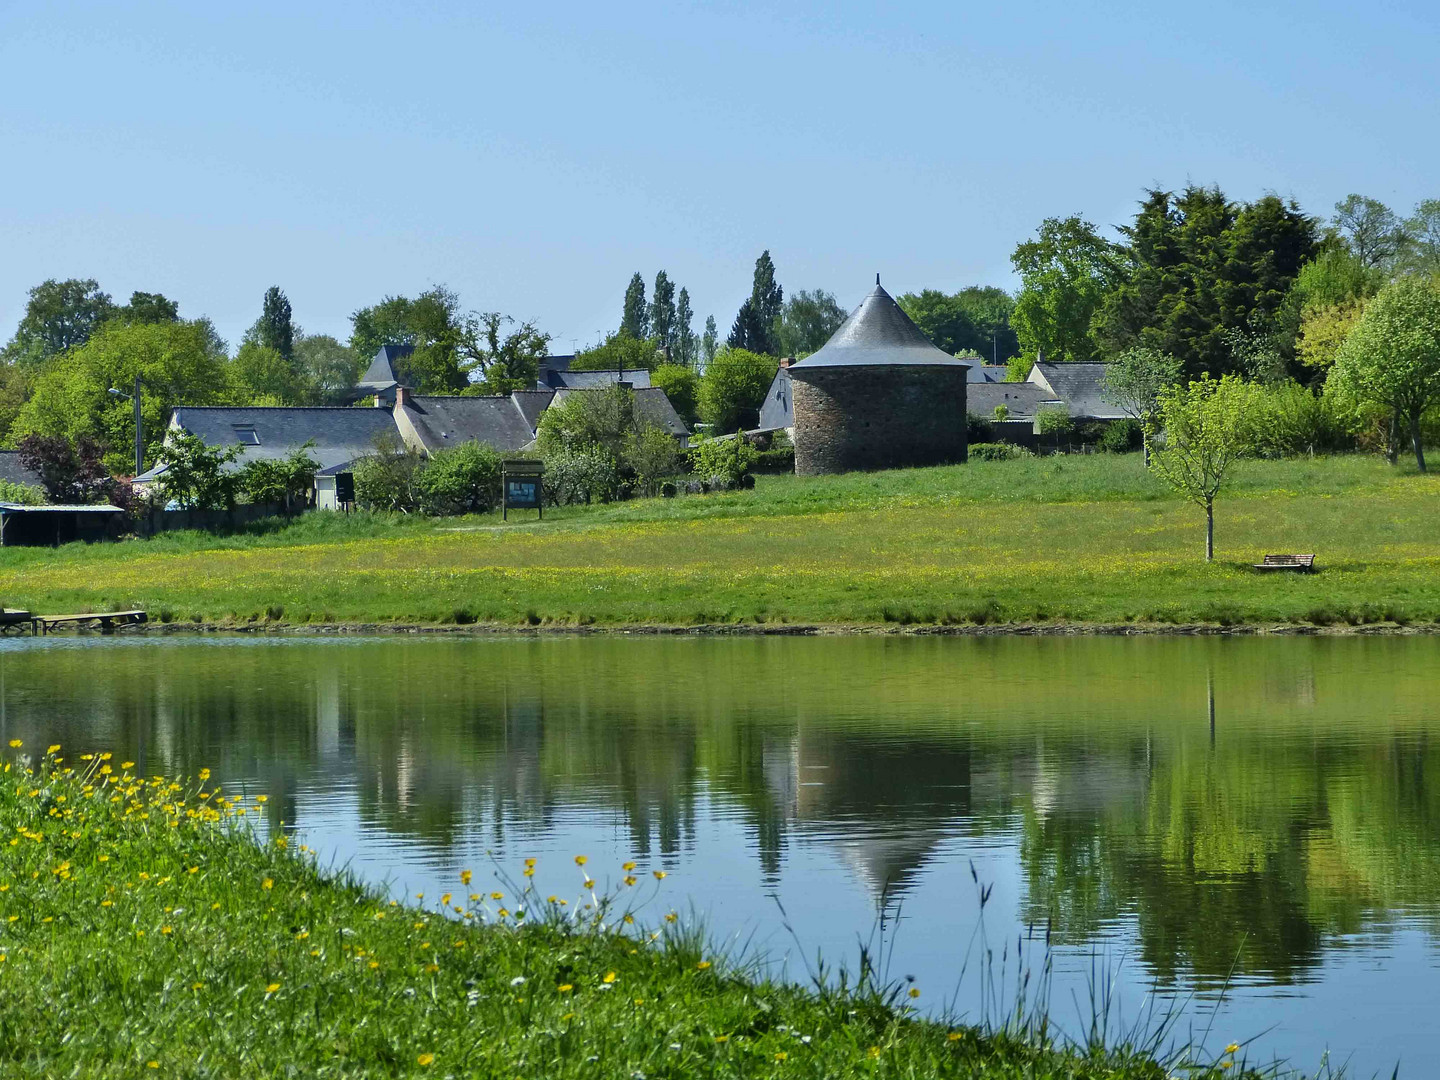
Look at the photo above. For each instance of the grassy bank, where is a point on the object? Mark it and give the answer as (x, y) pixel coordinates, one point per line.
(1078, 539)
(145, 931)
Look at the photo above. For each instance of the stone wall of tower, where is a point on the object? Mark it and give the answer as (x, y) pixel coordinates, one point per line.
(877, 417)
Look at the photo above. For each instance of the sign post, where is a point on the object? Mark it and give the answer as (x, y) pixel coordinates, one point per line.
(522, 487)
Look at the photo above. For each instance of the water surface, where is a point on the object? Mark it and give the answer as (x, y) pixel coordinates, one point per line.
(1243, 826)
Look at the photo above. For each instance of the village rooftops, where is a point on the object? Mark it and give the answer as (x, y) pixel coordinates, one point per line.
(381, 375)
(878, 332)
(1080, 385)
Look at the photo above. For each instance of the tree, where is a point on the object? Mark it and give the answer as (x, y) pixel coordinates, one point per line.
(662, 312)
(1422, 233)
(618, 352)
(1066, 273)
(178, 364)
(286, 481)
(654, 455)
(147, 307)
(264, 377)
(1392, 356)
(497, 364)
(759, 318)
(1133, 381)
(1207, 429)
(388, 479)
(70, 472)
(807, 322)
(198, 476)
(328, 367)
(431, 323)
(1199, 265)
(684, 352)
(274, 329)
(589, 419)
(682, 387)
(973, 322)
(734, 387)
(709, 341)
(635, 317)
(1370, 229)
(59, 315)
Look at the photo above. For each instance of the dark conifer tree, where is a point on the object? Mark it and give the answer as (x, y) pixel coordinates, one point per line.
(635, 320)
(276, 331)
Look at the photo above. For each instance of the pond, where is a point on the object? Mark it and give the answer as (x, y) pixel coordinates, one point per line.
(1240, 828)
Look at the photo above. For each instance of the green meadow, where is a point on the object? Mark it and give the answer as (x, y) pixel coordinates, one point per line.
(1064, 540)
(148, 928)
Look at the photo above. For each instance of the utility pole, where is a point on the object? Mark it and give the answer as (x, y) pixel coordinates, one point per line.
(139, 440)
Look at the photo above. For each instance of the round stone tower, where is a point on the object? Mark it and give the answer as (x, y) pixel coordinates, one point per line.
(879, 395)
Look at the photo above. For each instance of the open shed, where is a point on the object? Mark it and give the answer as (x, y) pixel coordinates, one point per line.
(47, 526)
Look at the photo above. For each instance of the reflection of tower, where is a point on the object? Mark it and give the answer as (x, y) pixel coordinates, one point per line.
(327, 716)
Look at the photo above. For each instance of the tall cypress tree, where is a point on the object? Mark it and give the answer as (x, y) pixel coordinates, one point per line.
(684, 336)
(276, 331)
(757, 324)
(635, 321)
(710, 340)
(662, 311)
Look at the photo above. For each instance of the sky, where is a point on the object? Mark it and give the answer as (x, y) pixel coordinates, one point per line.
(533, 156)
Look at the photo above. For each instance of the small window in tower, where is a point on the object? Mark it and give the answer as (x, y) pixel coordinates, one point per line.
(246, 435)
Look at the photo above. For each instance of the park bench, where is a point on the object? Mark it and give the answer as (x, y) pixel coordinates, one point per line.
(1301, 564)
(107, 620)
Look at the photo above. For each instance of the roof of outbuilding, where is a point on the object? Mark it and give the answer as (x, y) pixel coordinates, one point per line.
(590, 380)
(13, 471)
(1079, 385)
(449, 421)
(338, 433)
(878, 332)
(1022, 399)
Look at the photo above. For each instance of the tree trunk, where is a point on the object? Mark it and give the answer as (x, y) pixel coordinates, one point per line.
(1145, 446)
(1392, 439)
(1209, 530)
(1416, 440)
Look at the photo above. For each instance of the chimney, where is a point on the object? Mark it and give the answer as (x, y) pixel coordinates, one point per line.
(786, 361)
(402, 396)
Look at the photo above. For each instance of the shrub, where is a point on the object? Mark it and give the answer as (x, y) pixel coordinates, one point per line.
(24, 494)
(654, 455)
(722, 462)
(581, 476)
(1121, 437)
(463, 479)
(682, 387)
(978, 429)
(734, 387)
(198, 476)
(70, 472)
(1291, 419)
(776, 456)
(1002, 412)
(287, 481)
(389, 478)
(998, 451)
(603, 419)
(1055, 421)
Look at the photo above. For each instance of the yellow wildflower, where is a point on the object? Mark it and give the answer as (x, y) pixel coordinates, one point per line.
(425, 1059)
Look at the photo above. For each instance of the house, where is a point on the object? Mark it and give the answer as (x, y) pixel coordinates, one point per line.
(13, 472)
(336, 435)
(555, 374)
(1081, 386)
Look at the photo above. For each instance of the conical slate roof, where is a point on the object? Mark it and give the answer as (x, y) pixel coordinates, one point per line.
(878, 332)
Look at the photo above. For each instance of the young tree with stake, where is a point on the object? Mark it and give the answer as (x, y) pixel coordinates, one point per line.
(1207, 429)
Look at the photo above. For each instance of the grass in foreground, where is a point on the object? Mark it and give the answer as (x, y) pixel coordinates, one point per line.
(145, 930)
(1092, 539)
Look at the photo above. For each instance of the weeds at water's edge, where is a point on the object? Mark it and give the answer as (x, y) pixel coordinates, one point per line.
(148, 927)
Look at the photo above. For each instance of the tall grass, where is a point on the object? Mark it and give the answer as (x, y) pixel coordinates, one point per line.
(1091, 539)
(147, 928)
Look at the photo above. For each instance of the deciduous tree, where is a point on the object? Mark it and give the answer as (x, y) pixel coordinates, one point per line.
(807, 321)
(662, 312)
(498, 362)
(1392, 356)
(1133, 382)
(684, 352)
(1371, 230)
(1207, 429)
(733, 388)
(58, 316)
(275, 328)
(1066, 273)
(431, 323)
(709, 341)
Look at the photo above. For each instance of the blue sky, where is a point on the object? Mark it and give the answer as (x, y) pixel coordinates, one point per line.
(532, 156)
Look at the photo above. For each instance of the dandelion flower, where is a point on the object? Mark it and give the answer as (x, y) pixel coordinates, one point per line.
(702, 965)
(955, 1036)
(627, 867)
(268, 883)
(565, 988)
(914, 991)
(781, 1056)
(1232, 1048)
(425, 1059)
(204, 773)
(54, 749)
(659, 875)
(15, 744)
(497, 896)
(722, 1038)
(127, 764)
(272, 988)
(580, 860)
(465, 876)
(262, 798)
(609, 977)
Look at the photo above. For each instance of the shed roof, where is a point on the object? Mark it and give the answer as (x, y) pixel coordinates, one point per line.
(878, 332)
(60, 508)
(1079, 385)
(1022, 399)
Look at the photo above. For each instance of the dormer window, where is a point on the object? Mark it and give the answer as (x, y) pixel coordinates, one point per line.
(245, 435)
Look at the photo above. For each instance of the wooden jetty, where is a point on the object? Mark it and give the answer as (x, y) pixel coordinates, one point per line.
(106, 621)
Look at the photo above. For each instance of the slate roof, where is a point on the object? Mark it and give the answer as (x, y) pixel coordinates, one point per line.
(380, 375)
(778, 409)
(497, 421)
(13, 471)
(340, 433)
(1022, 399)
(878, 332)
(1079, 386)
(988, 372)
(590, 380)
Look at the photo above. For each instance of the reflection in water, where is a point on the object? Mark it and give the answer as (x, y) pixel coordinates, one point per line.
(1212, 804)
